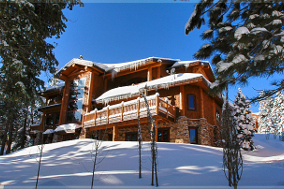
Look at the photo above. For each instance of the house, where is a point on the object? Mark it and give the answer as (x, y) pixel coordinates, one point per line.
(107, 97)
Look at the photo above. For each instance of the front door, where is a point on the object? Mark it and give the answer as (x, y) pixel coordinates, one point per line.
(193, 135)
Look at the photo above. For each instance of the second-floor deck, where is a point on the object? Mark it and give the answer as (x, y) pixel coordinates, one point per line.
(130, 110)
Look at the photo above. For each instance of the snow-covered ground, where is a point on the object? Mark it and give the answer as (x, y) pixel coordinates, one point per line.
(68, 165)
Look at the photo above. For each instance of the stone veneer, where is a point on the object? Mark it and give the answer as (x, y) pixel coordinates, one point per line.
(179, 131)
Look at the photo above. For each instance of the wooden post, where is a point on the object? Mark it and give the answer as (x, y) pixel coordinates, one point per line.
(167, 101)
(122, 110)
(64, 104)
(107, 114)
(149, 76)
(138, 107)
(114, 133)
(157, 103)
(96, 114)
(182, 100)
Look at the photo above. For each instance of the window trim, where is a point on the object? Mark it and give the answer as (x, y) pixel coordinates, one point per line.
(196, 134)
(194, 98)
(169, 134)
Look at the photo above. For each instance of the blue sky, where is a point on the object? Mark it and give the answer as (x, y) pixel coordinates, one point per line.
(122, 32)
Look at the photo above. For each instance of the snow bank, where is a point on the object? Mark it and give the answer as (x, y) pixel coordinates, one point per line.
(68, 164)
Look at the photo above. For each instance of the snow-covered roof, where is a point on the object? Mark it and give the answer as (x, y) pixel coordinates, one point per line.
(67, 128)
(48, 131)
(135, 64)
(49, 106)
(58, 86)
(117, 67)
(83, 63)
(187, 63)
(131, 91)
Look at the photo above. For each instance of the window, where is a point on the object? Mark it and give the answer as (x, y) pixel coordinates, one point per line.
(75, 103)
(191, 102)
(218, 116)
(193, 135)
(52, 119)
(131, 137)
(164, 135)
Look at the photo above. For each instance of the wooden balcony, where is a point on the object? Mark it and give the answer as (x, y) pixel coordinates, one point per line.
(130, 110)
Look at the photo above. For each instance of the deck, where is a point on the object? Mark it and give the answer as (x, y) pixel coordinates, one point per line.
(130, 110)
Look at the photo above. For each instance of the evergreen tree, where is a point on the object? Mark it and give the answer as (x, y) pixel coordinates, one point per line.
(24, 54)
(244, 121)
(279, 113)
(263, 114)
(244, 39)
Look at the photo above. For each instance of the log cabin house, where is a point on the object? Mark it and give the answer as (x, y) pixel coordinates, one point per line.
(107, 97)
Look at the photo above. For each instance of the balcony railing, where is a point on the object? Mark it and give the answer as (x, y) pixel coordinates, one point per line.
(130, 110)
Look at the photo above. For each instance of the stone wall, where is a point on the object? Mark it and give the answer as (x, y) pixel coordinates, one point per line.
(179, 131)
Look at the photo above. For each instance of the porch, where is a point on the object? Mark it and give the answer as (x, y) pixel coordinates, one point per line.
(126, 114)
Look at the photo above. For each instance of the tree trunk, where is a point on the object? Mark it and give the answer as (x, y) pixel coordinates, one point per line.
(10, 137)
(24, 134)
(4, 140)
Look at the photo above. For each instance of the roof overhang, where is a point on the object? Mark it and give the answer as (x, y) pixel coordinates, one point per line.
(161, 83)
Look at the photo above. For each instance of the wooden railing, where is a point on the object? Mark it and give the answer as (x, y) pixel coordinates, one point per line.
(129, 110)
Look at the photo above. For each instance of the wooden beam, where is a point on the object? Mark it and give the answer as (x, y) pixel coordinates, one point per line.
(150, 74)
(182, 101)
(65, 98)
(114, 133)
(91, 86)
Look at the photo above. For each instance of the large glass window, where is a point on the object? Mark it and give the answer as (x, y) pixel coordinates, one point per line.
(76, 98)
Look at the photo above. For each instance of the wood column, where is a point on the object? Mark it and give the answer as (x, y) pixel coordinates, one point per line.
(182, 101)
(91, 86)
(150, 74)
(114, 133)
(64, 104)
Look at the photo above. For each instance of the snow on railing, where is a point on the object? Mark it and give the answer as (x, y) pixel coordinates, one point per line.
(129, 110)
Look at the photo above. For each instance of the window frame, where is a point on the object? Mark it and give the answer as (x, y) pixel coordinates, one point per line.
(131, 134)
(162, 139)
(196, 135)
(194, 100)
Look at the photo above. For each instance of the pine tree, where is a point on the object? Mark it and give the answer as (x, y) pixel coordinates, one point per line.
(24, 54)
(279, 113)
(244, 39)
(262, 120)
(244, 121)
